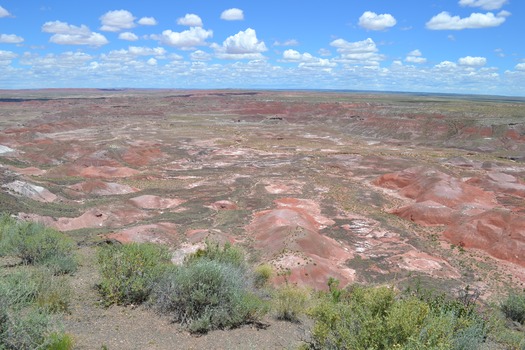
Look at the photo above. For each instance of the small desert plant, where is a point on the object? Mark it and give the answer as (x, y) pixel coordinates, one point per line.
(130, 271)
(262, 274)
(208, 294)
(290, 302)
(226, 254)
(36, 244)
(513, 307)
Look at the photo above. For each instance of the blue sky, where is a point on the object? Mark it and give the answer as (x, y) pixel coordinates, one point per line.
(448, 46)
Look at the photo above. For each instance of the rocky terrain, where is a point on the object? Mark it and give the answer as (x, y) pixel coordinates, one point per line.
(367, 188)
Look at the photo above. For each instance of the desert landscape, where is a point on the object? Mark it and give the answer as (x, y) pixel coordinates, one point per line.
(367, 188)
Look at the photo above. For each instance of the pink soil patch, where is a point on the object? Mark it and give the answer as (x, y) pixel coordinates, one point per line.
(164, 233)
(90, 219)
(422, 262)
(142, 156)
(423, 185)
(30, 171)
(224, 205)
(499, 232)
(104, 172)
(28, 190)
(428, 213)
(278, 187)
(155, 202)
(293, 229)
(500, 182)
(102, 188)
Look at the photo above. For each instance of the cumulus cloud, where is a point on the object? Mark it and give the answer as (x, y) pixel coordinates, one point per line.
(66, 34)
(4, 12)
(446, 65)
(484, 4)
(520, 67)
(306, 60)
(200, 55)
(243, 45)
(10, 39)
(190, 20)
(415, 56)
(363, 52)
(115, 21)
(6, 57)
(372, 21)
(290, 42)
(187, 39)
(472, 61)
(147, 21)
(444, 21)
(233, 14)
(128, 36)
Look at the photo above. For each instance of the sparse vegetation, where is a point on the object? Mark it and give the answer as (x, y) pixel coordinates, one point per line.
(514, 306)
(36, 244)
(290, 302)
(212, 290)
(130, 271)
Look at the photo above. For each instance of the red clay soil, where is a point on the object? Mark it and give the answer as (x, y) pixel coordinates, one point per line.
(289, 238)
(499, 232)
(472, 216)
(101, 188)
(155, 202)
(162, 232)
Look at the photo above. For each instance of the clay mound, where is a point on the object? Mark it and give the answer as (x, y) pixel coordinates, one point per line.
(103, 172)
(418, 261)
(500, 182)
(293, 231)
(499, 232)
(90, 219)
(428, 213)
(424, 185)
(164, 233)
(142, 156)
(102, 188)
(224, 205)
(37, 193)
(30, 171)
(155, 202)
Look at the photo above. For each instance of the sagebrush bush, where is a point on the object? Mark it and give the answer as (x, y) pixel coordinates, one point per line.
(262, 275)
(207, 294)
(130, 271)
(36, 244)
(380, 318)
(289, 302)
(514, 306)
(213, 251)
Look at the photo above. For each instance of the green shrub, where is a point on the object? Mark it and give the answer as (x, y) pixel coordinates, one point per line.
(36, 244)
(289, 302)
(380, 318)
(213, 251)
(262, 274)
(23, 331)
(59, 341)
(208, 294)
(130, 271)
(514, 306)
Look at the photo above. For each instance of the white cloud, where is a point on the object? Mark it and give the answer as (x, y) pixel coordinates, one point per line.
(52, 62)
(520, 67)
(200, 55)
(187, 39)
(415, 56)
(484, 4)
(66, 34)
(115, 21)
(4, 12)
(152, 62)
(360, 52)
(324, 52)
(372, 21)
(147, 51)
(6, 57)
(444, 21)
(243, 45)
(446, 65)
(147, 21)
(10, 39)
(233, 14)
(290, 42)
(306, 60)
(128, 36)
(472, 61)
(190, 20)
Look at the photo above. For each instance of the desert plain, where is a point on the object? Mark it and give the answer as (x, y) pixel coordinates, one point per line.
(370, 188)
